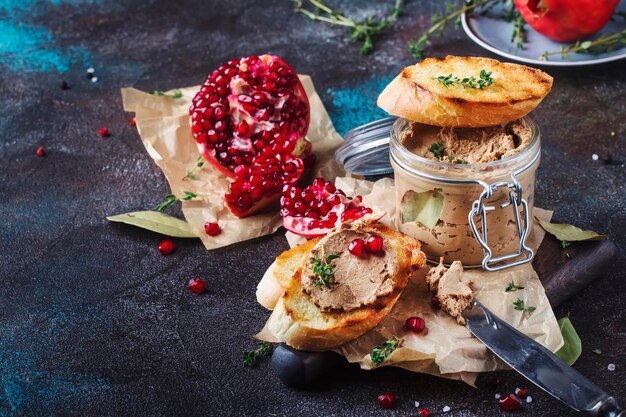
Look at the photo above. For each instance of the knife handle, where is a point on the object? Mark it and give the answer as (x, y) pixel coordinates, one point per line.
(609, 408)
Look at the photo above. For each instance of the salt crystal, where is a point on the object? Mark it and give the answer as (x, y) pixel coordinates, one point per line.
(529, 399)
(594, 156)
(94, 80)
(611, 366)
(417, 404)
(90, 70)
(446, 409)
(497, 396)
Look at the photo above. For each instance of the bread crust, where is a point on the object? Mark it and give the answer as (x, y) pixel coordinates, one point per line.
(297, 321)
(416, 95)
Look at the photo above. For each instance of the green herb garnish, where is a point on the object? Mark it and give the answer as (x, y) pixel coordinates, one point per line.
(519, 305)
(363, 31)
(438, 150)
(191, 173)
(380, 353)
(594, 47)
(323, 270)
(513, 287)
(597, 351)
(171, 199)
(485, 79)
(250, 357)
(565, 243)
(177, 93)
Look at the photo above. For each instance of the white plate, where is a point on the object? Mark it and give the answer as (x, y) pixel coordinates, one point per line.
(494, 34)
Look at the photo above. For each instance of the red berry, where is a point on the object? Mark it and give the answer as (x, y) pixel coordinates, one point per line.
(387, 400)
(196, 285)
(212, 228)
(424, 413)
(103, 132)
(356, 247)
(166, 247)
(375, 244)
(415, 324)
(40, 151)
(510, 403)
(521, 392)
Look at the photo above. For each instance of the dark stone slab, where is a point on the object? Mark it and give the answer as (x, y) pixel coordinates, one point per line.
(93, 321)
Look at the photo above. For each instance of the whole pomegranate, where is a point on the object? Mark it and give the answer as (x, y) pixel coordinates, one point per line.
(250, 119)
(566, 20)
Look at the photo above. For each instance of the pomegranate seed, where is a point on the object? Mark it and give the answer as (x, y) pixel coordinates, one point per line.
(166, 247)
(40, 151)
(435, 302)
(510, 403)
(212, 228)
(387, 400)
(521, 392)
(415, 324)
(103, 131)
(132, 121)
(375, 244)
(242, 128)
(196, 285)
(356, 247)
(424, 413)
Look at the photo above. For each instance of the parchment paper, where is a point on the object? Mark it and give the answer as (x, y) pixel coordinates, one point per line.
(163, 124)
(447, 349)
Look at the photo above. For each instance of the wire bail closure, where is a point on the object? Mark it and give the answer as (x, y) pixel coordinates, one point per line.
(480, 210)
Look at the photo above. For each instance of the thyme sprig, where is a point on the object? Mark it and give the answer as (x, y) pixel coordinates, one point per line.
(594, 47)
(382, 352)
(440, 152)
(323, 270)
(177, 93)
(171, 199)
(440, 22)
(190, 174)
(513, 287)
(363, 31)
(519, 305)
(485, 80)
(250, 357)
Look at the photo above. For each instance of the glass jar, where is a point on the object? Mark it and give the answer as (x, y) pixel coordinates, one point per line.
(500, 192)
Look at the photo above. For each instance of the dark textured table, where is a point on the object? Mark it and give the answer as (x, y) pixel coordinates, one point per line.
(94, 321)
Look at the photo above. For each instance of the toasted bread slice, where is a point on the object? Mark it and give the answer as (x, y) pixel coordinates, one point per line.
(416, 95)
(299, 322)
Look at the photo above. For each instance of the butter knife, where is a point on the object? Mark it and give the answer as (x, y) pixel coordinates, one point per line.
(539, 365)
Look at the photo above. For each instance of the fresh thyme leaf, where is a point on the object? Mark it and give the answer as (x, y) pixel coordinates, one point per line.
(323, 270)
(438, 150)
(447, 80)
(250, 357)
(158, 93)
(363, 31)
(191, 173)
(485, 79)
(597, 351)
(565, 243)
(513, 287)
(177, 93)
(594, 47)
(171, 199)
(519, 305)
(382, 352)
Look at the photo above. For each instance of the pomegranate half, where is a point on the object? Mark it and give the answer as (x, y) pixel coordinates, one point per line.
(250, 119)
(320, 208)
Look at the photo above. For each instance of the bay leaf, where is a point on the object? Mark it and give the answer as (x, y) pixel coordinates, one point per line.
(569, 233)
(573, 347)
(424, 207)
(156, 222)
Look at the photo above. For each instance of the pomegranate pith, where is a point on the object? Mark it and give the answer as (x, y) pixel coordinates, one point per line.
(166, 247)
(375, 244)
(212, 228)
(250, 108)
(196, 285)
(510, 403)
(356, 247)
(387, 400)
(415, 324)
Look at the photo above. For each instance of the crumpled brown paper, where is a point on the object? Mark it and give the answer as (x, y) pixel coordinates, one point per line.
(447, 349)
(163, 124)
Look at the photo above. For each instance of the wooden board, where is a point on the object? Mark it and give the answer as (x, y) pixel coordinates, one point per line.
(564, 272)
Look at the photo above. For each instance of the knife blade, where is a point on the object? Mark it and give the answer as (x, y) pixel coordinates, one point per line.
(538, 364)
